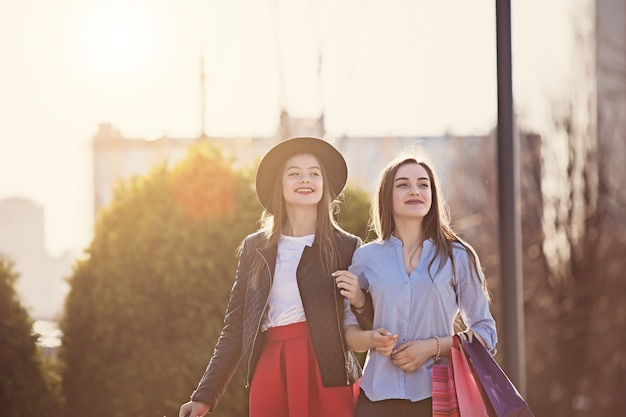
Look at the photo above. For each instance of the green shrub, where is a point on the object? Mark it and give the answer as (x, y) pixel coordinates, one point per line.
(147, 304)
(26, 388)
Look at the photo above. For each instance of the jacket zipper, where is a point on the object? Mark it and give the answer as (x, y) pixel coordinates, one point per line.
(343, 346)
(260, 320)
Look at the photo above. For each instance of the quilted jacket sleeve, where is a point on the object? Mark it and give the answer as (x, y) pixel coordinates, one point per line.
(227, 352)
(365, 315)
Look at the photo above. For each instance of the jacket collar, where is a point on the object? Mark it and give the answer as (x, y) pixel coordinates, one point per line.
(269, 254)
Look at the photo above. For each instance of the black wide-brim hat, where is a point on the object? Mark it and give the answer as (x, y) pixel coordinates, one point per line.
(268, 175)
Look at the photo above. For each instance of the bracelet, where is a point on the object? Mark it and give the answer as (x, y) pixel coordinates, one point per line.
(438, 355)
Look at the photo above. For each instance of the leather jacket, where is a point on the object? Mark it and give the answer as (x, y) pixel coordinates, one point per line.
(242, 340)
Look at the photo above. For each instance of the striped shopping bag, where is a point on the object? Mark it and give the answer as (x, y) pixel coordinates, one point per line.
(445, 401)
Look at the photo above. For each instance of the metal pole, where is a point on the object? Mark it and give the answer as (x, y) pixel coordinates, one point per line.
(512, 328)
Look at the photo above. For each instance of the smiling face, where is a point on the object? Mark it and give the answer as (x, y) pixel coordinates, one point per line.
(303, 184)
(412, 193)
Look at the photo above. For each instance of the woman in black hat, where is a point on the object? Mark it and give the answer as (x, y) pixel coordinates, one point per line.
(285, 314)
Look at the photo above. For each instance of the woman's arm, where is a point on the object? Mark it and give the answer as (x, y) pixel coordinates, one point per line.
(227, 351)
(474, 302)
(363, 340)
(365, 313)
(361, 302)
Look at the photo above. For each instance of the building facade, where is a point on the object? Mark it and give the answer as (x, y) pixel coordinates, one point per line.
(41, 283)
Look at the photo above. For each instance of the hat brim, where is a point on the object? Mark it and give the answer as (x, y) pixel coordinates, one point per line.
(267, 174)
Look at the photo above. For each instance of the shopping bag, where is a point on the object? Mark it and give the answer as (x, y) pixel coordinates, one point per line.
(496, 386)
(471, 401)
(444, 391)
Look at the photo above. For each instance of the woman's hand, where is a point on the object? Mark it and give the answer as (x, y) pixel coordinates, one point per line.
(361, 340)
(412, 355)
(193, 409)
(384, 341)
(348, 285)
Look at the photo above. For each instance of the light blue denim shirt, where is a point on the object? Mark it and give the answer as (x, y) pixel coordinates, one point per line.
(416, 306)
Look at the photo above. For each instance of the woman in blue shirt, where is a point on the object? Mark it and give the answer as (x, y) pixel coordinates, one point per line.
(420, 275)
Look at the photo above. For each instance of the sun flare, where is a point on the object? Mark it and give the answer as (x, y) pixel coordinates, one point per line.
(116, 43)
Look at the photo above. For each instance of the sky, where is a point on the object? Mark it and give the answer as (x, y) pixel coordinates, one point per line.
(398, 67)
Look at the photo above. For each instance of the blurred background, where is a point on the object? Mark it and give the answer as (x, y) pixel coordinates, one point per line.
(129, 136)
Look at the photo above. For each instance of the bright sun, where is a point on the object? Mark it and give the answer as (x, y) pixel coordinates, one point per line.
(117, 43)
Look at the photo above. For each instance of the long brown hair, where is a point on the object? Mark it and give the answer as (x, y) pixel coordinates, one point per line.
(271, 224)
(436, 224)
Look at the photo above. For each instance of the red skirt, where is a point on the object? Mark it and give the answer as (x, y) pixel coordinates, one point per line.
(287, 380)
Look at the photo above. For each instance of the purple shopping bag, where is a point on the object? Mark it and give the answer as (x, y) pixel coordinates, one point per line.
(496, 386)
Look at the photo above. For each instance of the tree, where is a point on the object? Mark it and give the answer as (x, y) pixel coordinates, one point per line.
(576, 252)
(353, 214)
(146, 304)
(25, 388)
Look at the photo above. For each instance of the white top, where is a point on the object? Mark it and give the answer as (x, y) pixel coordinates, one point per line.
(284, 304)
